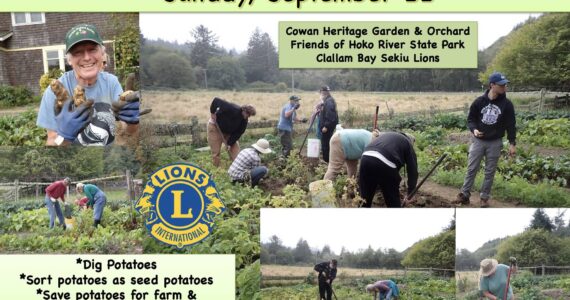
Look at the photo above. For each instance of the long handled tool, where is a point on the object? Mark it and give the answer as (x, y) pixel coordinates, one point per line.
(313, 117)
(334, 294)
(376, 118)
(415, 190)
(513, 262)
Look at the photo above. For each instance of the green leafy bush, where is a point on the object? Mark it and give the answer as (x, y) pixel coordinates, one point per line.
(11, 96)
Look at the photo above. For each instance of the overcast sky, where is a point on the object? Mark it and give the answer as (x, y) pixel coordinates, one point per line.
(476, 226)
(353, 228)
(235, 29)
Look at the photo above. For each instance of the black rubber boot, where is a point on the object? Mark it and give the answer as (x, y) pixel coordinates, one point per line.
(96, 223)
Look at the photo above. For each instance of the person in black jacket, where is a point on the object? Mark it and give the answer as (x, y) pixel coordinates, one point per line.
(328, 120)
(326, 274)
(227, 123)
(490, 115)
(380, 166)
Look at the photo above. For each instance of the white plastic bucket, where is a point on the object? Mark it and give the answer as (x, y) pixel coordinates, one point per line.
(313, 148)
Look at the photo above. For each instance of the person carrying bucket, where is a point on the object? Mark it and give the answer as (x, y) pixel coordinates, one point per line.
(54, 192)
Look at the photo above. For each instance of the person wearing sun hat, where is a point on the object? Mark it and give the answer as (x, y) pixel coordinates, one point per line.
(287, 117)
(247, 168)
(86, 125)
(490, 115)
(493, 279)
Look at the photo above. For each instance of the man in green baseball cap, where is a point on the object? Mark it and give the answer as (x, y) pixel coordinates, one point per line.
(85, 53)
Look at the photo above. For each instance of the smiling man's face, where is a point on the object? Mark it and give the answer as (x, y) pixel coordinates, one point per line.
(86, 60)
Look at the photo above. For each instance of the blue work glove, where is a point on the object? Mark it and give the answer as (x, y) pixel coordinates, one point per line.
(71, 122)
(129, 110)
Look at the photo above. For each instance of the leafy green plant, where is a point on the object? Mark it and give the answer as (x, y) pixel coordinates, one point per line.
(11, 96)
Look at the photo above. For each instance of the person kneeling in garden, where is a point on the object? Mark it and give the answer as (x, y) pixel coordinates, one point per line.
(387, 288)
(97, 200)
(247, 165)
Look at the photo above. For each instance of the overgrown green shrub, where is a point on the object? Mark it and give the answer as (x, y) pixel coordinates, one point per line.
(11, 96)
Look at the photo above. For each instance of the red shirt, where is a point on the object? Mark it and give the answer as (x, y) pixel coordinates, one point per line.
(56, 190)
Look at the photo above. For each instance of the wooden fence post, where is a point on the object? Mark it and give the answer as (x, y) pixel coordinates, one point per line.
(543, 270)
(17, 192)
(542, 95)
(194, 131)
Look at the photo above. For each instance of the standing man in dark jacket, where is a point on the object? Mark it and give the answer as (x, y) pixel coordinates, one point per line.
(227, 123)
(489, 116)
(380, 166)
(327, 273)
(54, 192)
(328, 120)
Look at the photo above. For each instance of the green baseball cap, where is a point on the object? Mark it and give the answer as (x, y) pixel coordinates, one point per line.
(80, 33)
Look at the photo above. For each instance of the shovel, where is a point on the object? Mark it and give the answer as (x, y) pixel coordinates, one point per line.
(415, 190)
(376, 118)
(513, 262)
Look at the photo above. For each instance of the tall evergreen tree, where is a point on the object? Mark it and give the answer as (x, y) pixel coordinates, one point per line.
(541, 221)
(203, 47)
(261, 58)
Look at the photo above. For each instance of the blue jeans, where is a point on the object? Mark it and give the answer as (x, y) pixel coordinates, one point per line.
(98, 204)
(257, 173)
(53, 210)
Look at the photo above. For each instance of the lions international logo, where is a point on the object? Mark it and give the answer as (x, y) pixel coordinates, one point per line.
(179, 204)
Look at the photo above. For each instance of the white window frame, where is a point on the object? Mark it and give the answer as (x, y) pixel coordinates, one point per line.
(28, 19)
(60, 53)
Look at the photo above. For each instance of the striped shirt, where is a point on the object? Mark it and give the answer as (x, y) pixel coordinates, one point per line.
(246, 160)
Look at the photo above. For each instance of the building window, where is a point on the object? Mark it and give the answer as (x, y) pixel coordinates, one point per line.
(27, 18)
(54, 58)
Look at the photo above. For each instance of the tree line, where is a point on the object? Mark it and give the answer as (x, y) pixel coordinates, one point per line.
(545, 241)
(533, 55)
(435, 252)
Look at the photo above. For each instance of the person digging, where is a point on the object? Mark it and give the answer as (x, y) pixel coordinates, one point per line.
(326, 274)
(494, 279)
(97, 200)
(387, 289)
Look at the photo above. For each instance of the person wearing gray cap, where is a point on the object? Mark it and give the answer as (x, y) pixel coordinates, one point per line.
(93, 122)
(54, 192)
(287, 117)
(490, 115)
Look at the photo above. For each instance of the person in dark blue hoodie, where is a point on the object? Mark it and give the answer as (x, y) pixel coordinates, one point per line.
(490, 115)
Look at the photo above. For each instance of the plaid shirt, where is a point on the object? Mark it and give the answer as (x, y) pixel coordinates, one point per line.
(246, 160)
